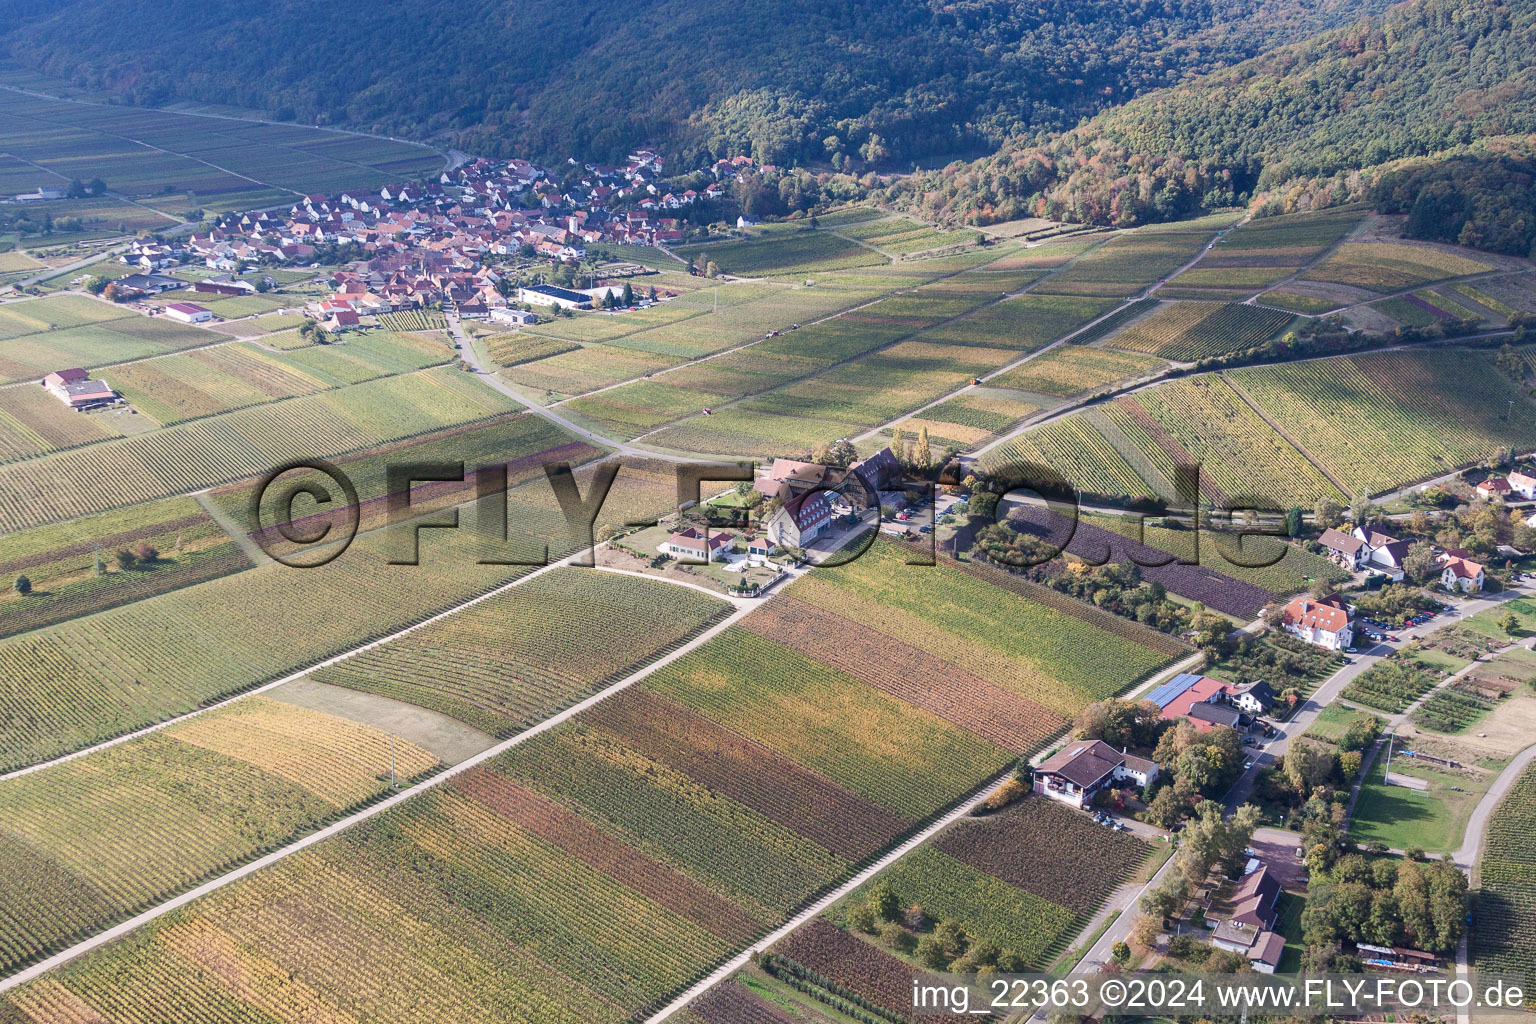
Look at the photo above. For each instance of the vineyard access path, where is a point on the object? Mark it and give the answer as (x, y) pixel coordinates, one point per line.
(917, 839)
(138, 921)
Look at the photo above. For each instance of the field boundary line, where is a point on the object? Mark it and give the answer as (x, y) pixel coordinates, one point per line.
(961, 810)
(1284, 434)
(212, 885)
(327, 663)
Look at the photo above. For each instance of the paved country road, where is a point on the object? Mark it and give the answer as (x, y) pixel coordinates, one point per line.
(1331, 687)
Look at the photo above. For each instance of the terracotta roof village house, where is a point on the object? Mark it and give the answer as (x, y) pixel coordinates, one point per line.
(1084, 768)
(801, 520)
(1462, 574)
(690, 543)
(1324, 623)
(1523, 485)
(1493, 487)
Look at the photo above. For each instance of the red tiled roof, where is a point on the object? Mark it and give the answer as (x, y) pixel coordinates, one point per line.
(1310, 613)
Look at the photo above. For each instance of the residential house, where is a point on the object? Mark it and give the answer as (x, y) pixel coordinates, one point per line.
(1386, 552)
(801, 520)
(1256, 698)
(1183, 692)
(1322, 622)
(1346, 549)
(1206, 717)
(692, 544)
(1463, 574)
(188, 312)
(1084, 768)
(149, 284)
(1253, 914)
(343, 320)
(1523, 485)
(1494, 487)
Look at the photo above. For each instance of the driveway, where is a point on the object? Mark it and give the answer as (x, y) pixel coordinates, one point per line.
(1331, 687)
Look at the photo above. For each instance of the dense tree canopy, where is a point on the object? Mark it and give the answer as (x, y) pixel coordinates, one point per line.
(884, 81)
(1424, 109)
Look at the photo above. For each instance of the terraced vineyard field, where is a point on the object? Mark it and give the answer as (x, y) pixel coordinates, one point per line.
(33, 422)
(970, 418)
(1242, 458)
(1054, 651)
(1383, 420)
(1074, 369)
(1393, 266)
(783, 252)
(86, 140)
(595, 869)
(175, 388)
(38, 336)
(592, 628)
(413, 320)
(239, 444)
(106, 674)
(1129, 262)
(1188, 331)
(1505, 936)
(1019, 885)
(177, 806)
(1077, 452)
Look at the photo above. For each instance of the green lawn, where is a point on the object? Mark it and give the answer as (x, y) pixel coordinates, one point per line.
(1334, 721)
(1290, 907)
(1404, 818)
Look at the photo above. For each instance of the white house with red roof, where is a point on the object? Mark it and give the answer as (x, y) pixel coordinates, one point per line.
(692, 544)
(1461, 573)
(801, 520)
(1523, 485)
(1322, 622)
(1494, 487)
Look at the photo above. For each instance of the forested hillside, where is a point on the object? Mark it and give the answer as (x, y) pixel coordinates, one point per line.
(1433, 93)
(865, 81)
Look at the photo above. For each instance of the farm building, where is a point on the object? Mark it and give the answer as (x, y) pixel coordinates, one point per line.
(514, 317)
(692, 544)
(1324, 623)
(75, 389)
(188, 312)
(788, 478)
(801, 520)
(549, 295)
(1081, 770)
(150, 284)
